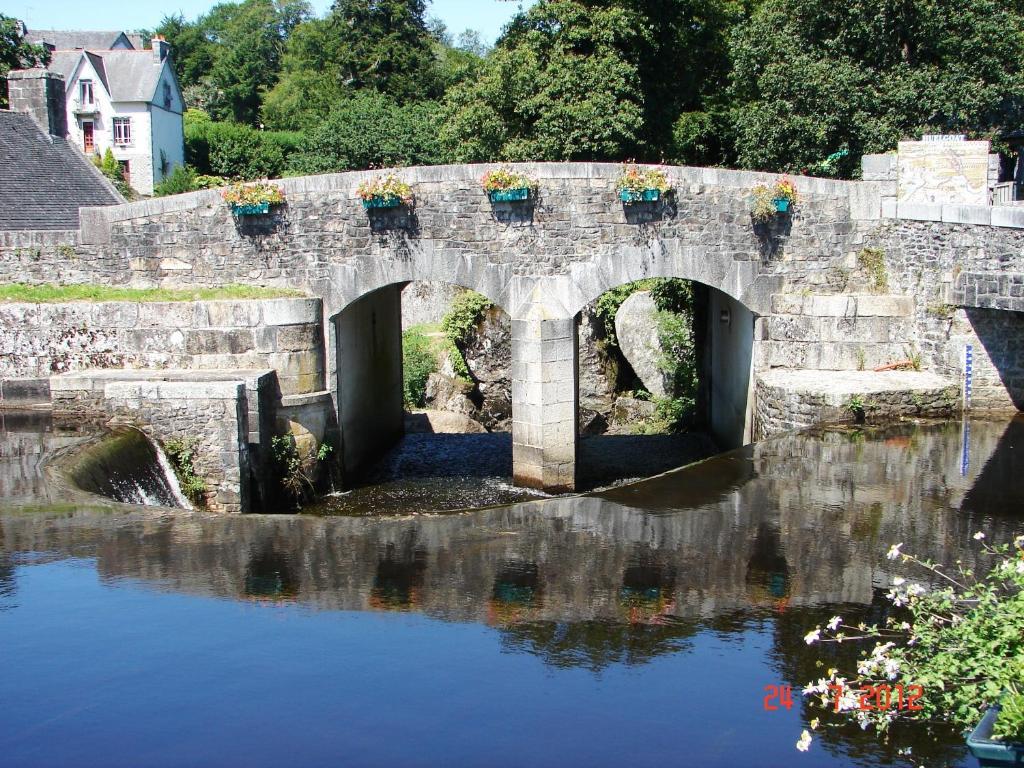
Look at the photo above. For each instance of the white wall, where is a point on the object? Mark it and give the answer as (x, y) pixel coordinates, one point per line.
(168, 128)
(730, 368)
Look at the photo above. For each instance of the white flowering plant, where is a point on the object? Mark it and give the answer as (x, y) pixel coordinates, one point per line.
(954, 646)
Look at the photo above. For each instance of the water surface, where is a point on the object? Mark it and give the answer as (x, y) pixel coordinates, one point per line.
(634, 627)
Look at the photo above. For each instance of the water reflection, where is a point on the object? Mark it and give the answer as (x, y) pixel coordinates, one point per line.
(765, 541)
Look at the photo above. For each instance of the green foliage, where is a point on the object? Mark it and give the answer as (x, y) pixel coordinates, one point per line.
(560, 85)
(370, 130)
(235, 151)
(466, 312)
(182, 179)
(182, 455)
(49, 294)
(872, 261)
(15, 53)
(961, 642)
(856, 406)
(418, 362)
(678, 355)
(669, 294)
(110, 168)
(297, 471)
(811, 77)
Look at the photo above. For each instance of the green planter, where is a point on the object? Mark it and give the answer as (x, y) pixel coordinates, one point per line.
(640, 196)
(509, 195)
(991, 753)
(250, 209)
(781, 204)
(382, 201)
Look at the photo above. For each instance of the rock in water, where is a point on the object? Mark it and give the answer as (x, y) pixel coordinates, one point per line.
(636, 326)
(448, 393)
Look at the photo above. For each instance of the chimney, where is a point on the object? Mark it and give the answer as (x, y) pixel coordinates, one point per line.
(161, 48)
(40, 93)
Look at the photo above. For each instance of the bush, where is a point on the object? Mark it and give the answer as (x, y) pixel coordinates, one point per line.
(110, 168)
(371, 130)
(236, 151)
(418, 362)
(960, 645)
(181, 180)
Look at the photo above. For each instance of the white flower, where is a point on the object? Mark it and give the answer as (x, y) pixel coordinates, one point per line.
(899, 581)
(979, 536)
(834, 623)
(812, 637)
(915, 589)
(1019, 542)
(805, 741)
(894, 551)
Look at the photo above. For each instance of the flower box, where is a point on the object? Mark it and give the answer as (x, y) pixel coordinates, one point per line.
(781, 204)
(988, 751)
(250, 209)
(640, 195)
(382, 201)
(509, 195)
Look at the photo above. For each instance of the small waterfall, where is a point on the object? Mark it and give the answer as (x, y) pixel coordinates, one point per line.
(171, 478)
(127, 466)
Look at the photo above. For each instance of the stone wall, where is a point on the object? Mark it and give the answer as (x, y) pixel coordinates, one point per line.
(577, 229)
(790, 400)
(215, 413)
(40, 340)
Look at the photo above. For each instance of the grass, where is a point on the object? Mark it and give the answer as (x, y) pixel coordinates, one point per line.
(51, 294)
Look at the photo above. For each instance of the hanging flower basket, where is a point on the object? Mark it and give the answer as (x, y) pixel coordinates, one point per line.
(252, 199)
(773, 200)
(642, 185)
(385, 192)
(505, 185)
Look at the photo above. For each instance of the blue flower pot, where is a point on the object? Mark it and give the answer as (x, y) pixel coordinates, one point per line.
(250, 209)
(781, 204)
(509, 195)
(986, 750)
(382, 201)
(643, 196)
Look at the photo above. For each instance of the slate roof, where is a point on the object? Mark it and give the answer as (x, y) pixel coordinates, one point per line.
(43, 179)
(66, 40)
(127, 75)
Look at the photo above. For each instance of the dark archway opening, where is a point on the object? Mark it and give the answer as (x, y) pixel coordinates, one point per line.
(664, 379)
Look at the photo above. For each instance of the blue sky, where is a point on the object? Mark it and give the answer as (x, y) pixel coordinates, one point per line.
(485, 16)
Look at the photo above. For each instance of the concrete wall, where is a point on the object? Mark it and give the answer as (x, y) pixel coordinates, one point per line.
(41, 340)
(731, 365)
(369, 377)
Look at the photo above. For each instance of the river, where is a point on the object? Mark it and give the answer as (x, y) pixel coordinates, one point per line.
(637, 626)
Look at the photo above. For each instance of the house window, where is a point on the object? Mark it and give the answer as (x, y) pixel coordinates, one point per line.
(122, 130)
(167, 96)
(85, 93)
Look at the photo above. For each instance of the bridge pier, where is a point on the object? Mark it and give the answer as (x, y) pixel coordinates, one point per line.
(544, 402)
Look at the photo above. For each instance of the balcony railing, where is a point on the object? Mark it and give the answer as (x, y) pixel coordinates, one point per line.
(78, 108)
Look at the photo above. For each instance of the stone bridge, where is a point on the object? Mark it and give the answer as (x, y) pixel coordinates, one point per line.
(545, 260)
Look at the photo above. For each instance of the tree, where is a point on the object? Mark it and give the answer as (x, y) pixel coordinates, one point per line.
(560, 85)
(371, 130)
(814, 76)
(15, 53)
(384, 45)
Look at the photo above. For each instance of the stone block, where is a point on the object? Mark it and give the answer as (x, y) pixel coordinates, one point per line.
(115, 314)
(227, 314)
(919, 211)
(1008, 216)
(220, 342)
(290, 311)
(967, 214)
(24, 392)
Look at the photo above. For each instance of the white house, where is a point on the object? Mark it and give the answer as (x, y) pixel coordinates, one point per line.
(128, 100)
